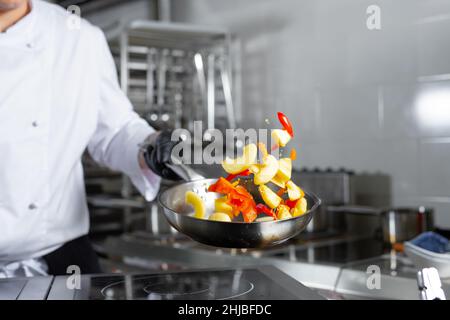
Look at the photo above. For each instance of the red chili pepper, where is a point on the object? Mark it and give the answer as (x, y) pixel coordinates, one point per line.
(262, 208)
(286, 123)
(233, 176)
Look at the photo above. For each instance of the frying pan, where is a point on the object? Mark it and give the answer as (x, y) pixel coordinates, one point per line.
(225, 234)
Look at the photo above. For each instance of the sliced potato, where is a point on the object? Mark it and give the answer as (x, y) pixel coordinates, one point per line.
(284, 169)
(221, 205)
(283, 212)
(268, 170)
(269, 197)
(277, 181)
(300, 208)
(264, 219)
(197, 203)
(255, 168)
(220, 216)
(234, 166)
(281, 137)
(294, 191)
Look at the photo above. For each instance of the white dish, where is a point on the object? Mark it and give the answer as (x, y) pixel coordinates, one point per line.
(423, 258)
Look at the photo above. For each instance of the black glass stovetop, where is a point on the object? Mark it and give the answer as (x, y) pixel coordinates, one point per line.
(253, 283)
(245, 284)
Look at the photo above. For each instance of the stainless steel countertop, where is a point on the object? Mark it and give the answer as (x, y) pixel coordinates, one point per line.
(397, 277)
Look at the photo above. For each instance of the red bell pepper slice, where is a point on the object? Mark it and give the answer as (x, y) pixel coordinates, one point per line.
(222, 186)
(249, 214)
(291, 203)
(238, 197)
(262, 208)
(232, 176)
(286, 123)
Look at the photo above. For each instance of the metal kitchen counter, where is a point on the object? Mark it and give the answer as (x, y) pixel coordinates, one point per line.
(344, 278)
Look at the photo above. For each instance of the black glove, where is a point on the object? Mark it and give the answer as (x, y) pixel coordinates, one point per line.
(158, 154)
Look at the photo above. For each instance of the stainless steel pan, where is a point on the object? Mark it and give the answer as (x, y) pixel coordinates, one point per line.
(226, 234)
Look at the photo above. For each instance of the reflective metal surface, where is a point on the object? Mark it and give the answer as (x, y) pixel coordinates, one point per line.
(226, 234)
(255, 283)
(402, 224)
(32, 288)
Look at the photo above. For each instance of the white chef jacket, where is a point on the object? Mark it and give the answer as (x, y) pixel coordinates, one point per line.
(59, 94)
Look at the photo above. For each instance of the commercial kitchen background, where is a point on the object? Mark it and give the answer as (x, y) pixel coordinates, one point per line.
(367, 100)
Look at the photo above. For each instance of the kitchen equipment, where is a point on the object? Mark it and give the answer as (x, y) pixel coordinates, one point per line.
(259, 283)
(33, 288)
(340, 187)
(402, 224)
(193, 75)
(397, 224)
(226, 234)
(430, 284)
(423, 258)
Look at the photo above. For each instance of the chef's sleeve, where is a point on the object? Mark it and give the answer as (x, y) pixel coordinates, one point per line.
(115, 143)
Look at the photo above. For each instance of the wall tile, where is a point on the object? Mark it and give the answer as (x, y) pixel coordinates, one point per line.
(432, 108)
(432, 45)
(349, 114)
(398, 115)
(434, 167)
(399, 159)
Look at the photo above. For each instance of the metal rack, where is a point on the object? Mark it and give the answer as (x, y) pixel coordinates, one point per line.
(175, 74)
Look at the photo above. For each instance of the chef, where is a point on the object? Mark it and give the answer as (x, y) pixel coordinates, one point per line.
(59, 95)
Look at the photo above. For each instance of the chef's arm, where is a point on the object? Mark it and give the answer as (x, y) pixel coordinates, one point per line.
(120, 131)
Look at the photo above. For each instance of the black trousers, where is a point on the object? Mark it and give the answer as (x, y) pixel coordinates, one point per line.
(77, 252)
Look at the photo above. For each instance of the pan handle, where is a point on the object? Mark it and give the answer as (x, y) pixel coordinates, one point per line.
(185, 172)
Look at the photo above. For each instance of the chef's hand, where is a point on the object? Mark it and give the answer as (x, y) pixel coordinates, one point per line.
(158, 153)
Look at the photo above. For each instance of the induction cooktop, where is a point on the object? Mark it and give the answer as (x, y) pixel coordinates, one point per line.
(210, 284)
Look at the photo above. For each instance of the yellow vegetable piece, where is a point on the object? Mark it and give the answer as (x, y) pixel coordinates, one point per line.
(220, 216)
(254, 168)
(300, 208)
(283, 174)
(197, 203)
(268, 170)
(281, 137)
(269, 197)
(277, 181)
(284, 169)
(220, 205)
(264, 219)
(294, 191)
(283, 212)
(234, 166)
